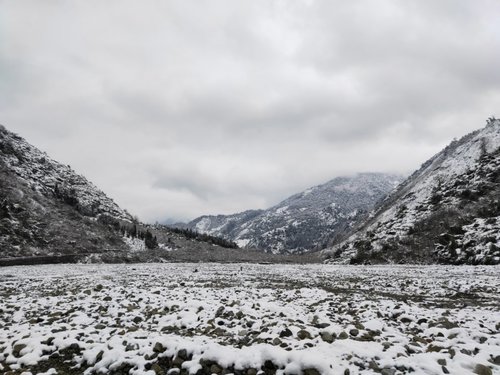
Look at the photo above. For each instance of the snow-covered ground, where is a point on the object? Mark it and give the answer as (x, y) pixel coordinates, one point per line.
(247, 318)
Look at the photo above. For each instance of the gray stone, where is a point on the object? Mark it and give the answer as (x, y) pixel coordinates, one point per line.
(442, 361)
(17, 349)
(286, 333)
(311, 371)
(343, 335)
(327, 337)
(215, 369)
(482, 370)
(303, 334)
(158, 348)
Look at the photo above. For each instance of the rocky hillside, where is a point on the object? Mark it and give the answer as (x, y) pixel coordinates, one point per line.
(305, 221)
(50, 213)
(446, 212)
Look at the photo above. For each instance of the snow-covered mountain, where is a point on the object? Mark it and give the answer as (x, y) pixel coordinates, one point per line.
(448, 211)
(305, 221)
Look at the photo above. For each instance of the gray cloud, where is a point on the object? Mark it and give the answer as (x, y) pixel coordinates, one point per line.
(182, 108)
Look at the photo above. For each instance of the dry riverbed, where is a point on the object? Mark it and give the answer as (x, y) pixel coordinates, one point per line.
(248, 319)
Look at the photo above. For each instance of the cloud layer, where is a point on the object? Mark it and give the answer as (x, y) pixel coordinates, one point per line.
(183, 108)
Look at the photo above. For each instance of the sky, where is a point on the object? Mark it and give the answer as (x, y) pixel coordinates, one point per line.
(182, 108)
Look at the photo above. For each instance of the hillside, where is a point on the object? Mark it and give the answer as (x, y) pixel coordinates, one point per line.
(49, 213)
(305, 221)
(446, 212)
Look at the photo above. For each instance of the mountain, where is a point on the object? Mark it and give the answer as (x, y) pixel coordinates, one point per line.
(448, 211)
(49, 213)
(305, 221)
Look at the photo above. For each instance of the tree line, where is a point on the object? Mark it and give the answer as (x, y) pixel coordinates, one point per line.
(189, 233)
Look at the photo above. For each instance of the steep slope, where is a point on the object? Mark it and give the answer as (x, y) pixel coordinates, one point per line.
(305, 221)
(49, 213)
(448, 211)
(46, 208)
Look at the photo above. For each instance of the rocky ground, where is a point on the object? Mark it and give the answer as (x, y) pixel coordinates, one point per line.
(248, 319)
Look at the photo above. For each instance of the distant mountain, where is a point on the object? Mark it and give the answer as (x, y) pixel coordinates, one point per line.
(446, 212)
(50, 213)
(305, 221)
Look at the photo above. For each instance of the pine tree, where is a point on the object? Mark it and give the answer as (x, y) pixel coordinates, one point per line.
(150, 241)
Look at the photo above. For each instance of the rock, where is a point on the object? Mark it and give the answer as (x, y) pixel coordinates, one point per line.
(303, 335)
(177, 362)
(183, 354)
(445, 370)
(466, 352)
(322, 325)
(445, 323)
(434, 348)
(270, 366)
(327, 337)
(252, 371)
(286, 333)
(99, 356)
(441, 361)
(359, 326)
(219, 331)
(215, 369)
(16, 350)
(98, 288)
(276, 341)
(482, 370)
(388, 371)
(452, 352)
(173, 371)
(347, 371)
(354, 332)
(74, 348)
(496, 360)
(311, 371)
(157, 369)
(130, 347)
(137, 319)
(343, 335)
(158, 348)
(219, 311)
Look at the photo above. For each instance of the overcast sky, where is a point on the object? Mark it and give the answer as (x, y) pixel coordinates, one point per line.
(182, 108)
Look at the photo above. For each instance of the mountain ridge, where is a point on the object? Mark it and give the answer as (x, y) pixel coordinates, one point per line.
(304, 221)
(447, 211)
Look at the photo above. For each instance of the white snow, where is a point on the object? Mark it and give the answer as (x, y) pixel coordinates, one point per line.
(404, 318)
